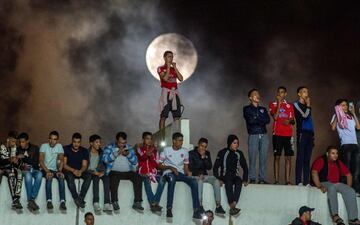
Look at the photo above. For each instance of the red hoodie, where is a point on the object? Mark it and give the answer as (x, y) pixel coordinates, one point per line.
(147, 164)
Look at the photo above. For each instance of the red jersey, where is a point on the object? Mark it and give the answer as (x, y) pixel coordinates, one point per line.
(333, 171)
(172, 81)
(286, 112)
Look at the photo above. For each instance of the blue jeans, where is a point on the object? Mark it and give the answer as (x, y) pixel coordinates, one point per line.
(305, 144)
(48, 185)
(153, 198)
(171, 178)
(258, 143)
(32, 188)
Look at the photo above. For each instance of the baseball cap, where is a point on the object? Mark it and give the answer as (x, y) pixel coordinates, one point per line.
(304, 209)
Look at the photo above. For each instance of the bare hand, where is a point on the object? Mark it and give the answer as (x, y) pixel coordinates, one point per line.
(221, 183)
(14, 160)
(77, 173)
(149, 152)
(173, 64)
(99, 174)
(49, 175)
(20, 156)
(278, 99)
(352, 110)
(125, 152)
(201, 177)
(60, 175)
(307, 100)
(174, 170)
(323, 189)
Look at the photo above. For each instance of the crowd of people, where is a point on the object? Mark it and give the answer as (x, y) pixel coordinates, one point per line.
(338, 170)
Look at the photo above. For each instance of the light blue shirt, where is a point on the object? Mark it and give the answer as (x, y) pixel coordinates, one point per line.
(51, 155)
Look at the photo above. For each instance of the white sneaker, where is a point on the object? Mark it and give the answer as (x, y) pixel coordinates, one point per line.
(300, 184)
(97, 207)
(107, 207)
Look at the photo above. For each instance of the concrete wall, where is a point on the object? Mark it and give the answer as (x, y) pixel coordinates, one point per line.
(260, 204)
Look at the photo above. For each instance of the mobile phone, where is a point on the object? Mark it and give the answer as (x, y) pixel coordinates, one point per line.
(351, 105)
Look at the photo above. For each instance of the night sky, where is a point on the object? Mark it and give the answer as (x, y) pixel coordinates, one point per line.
(80, 65)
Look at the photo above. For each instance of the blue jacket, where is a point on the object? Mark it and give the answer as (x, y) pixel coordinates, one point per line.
(110, 154)
(256, 119)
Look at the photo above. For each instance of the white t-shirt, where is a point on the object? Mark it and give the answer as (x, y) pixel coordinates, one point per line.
(51, 155)
(174, 158)
(347, 135)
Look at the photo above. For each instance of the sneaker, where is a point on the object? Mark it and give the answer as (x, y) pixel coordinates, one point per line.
(79, 203)
(300, 184)
(155, 207)
(262, 182)
(62, 206)
(234, 211)
(32, 205)
(169, 213)
(49, 205)
(276, 182)
(97, 207)
(16, 204)
(354, 222)
(116, 206)
(197, 214)
(219, 210)
(252, 181)
(107, 207)
(137, 206)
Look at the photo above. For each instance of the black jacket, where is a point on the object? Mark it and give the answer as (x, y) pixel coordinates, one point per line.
(227, 165)
(31, 156)
(197, 165)
(256, 119)
(4, 157)
(297, 221)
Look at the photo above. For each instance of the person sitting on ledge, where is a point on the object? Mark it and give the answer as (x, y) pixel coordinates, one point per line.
(304, 217)
(326, 175)
(227, 170)
(121, 162)
(174, 160)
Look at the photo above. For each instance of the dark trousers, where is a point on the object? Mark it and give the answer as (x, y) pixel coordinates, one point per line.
(350, 156)
(135, 178)
(233, 187)
(305, 144)
(15, 178)
(70, 179)
(106, 183)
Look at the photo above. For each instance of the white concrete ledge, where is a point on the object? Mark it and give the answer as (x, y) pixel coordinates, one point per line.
(260, 204)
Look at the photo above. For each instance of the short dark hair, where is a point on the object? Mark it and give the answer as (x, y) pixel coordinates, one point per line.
(122, 135)
(282, 87)
(88, 214)
(300, 88)
(54, 132)
(177, 135)
(76, 135)
(13, 134)
(203, 140)
(146, 133)
(251, 91)
(94, 137)
(168, 52)
(330, 147)
(24, 135)
(341, 100)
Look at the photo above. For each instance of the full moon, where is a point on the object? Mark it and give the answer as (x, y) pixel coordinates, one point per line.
(185, 55)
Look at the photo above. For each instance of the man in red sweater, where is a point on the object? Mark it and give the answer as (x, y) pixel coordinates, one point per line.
(326, 173)
(148, 162)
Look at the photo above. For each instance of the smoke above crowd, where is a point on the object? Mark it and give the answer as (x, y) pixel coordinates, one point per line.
(80, 66)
